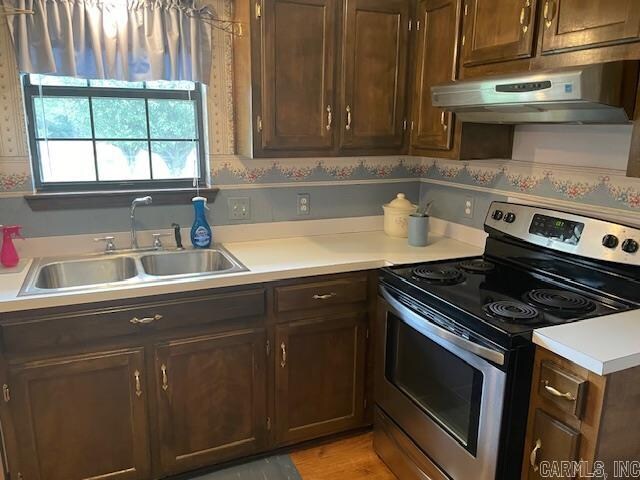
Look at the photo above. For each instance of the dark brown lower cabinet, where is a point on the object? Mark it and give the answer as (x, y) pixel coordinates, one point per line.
(320, 365)
(555, 442)
(82, 417)
(211, 394)
(576, 415)
(161, 399)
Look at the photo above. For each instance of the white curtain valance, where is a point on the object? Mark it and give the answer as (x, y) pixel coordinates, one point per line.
(112, 39)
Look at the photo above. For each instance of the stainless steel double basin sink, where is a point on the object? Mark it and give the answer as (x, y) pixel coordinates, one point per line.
(53, 275)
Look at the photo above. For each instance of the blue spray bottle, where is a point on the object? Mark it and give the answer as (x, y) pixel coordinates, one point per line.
(200, 231)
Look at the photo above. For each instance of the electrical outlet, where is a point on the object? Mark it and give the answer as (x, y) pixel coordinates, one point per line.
(468, 207)
(239, 208)
(304, 204)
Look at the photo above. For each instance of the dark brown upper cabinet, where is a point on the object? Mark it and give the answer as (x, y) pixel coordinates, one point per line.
(497, 31)
(320, 366)
(580, 24)
(297, 77)
(436, 35)
(82, 417)
(211, 394)
(374, 74)
(322, 77)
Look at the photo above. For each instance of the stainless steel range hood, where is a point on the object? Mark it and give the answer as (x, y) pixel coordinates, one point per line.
(591, 94)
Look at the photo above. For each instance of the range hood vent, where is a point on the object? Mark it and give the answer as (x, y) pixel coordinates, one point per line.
(592, 94)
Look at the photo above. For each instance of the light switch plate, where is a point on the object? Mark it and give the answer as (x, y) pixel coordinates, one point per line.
(304, 204)
(239, 208)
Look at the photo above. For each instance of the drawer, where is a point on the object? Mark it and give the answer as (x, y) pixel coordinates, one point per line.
(109, 322)
(564, 389)
(321, 294)
(552, 441)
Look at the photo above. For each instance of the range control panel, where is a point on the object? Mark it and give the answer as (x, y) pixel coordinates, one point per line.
(567, 232)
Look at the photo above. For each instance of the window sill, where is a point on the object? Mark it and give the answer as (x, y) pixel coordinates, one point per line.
(113, 199)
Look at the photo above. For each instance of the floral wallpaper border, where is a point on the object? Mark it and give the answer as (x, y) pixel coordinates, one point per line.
(589, 187)
(594, 187)
(597, 187)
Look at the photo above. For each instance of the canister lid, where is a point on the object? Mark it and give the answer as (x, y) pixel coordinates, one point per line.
(401, 204)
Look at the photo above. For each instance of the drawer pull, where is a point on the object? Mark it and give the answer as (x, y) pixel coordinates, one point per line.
(326, 296)
(136, 375)
(145, 320)
(557, 393)
(533, 458)
(165, 380)
(283, 362)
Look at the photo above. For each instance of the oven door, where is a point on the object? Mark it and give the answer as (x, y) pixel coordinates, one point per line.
(444, 390)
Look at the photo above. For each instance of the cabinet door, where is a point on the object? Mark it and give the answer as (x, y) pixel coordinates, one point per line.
(553, 442)
(298, 58)
(575, 24)
(211, 399)
(436, 63)
(319, 376)
(82, 417)
(374, 74)
(497, 30)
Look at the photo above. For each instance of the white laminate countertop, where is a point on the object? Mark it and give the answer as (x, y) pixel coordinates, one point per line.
(267, 260)
(602, 345)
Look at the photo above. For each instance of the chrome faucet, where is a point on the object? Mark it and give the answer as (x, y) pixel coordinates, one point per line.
(132, 215)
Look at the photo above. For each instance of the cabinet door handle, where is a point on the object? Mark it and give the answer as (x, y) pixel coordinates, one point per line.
(145, 320)
(533, 458)
(348, 126)
(326, 296)
(443, 120)
(557, 393)
(329, 117)
(283, 361)
(165, 380)
(525, 16)
(136, 375)
(549, 12)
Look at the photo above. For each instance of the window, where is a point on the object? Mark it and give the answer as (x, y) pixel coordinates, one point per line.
(114, 135)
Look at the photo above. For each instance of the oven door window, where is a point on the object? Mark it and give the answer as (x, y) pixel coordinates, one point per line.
(445, 387)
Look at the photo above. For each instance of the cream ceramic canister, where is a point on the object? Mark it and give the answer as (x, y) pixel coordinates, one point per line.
(396, 216)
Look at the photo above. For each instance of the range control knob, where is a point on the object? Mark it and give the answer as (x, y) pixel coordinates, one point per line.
(630, 246)
(510, 217)
(497, 215)
(610, 241)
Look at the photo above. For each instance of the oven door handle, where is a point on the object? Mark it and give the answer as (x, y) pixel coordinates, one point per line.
(428, 328)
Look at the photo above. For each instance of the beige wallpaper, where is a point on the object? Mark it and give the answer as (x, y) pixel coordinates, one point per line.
(14, 161)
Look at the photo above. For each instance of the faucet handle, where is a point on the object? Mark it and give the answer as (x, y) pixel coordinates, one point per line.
(157, 243)
(110, 244)
(177, 236)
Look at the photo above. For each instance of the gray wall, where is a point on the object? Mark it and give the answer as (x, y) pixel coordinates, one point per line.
(449, 203)
(267, 205)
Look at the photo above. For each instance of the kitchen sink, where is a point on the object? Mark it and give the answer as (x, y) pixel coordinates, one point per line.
(109, 270)
(75, 273)
(187, 262)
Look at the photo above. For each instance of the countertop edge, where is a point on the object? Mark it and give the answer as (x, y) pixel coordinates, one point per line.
(595, 365)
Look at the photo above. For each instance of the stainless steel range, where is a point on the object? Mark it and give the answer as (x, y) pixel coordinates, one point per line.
(454, 352)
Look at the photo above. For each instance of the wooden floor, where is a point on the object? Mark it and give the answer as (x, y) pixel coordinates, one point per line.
(349, 459)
